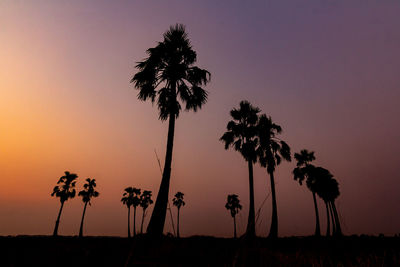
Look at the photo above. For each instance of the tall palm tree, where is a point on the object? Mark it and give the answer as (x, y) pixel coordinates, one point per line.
(271, 151)
(168, 76)
(178, 203)
(135, 203)
(65, 189)
(127, 199)
(145, 202)
(233, 205)
(241, 135)
(303, 171)
(329, 192)
(87, 194)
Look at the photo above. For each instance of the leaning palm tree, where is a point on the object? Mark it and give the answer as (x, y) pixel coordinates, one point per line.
(241, 135)
(271, 151)
(65, 189)
(145, 202)
(168, 76)
(135, 203)
(127, 199)
(303, 171)
(178, 203)
(87, 194)
(233, 205)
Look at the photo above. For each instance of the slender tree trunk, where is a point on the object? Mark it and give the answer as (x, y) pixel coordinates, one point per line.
(55, 233)
(129, 222)
(177, 225)
(141, 226)
(83, 217)
(251, 223)
(317, 226)
(134, 220)
(157, 220)
(234, 227)
(328, 227)
(273, 232)
(333, 219)
(338, 228)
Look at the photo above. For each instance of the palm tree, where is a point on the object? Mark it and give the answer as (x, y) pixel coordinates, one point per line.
(145, 201)
(169, 76)
(135, 203)
(303, 171)
(87, 194)
(329, 191)
(127, 199)
(233, 205)
(178, 202)
(271, 151)
(65, 189)
(241, 135)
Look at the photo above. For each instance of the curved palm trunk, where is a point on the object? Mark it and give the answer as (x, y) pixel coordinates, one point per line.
(251, 223)
(129, 222)
(55, 233)
(157, 220)
(83, 217)
(141, 226)
(328, 227)
(134, 221)
(177, 225)
(234, 227)
(317, 226)
(273, 232)
(338, 228)
(333, 218)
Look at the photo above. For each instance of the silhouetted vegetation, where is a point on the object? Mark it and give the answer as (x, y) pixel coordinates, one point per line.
(233, 205)
(145, 201)
(168, 76)
(64, 190)
(135, 203)
(87, 194)
(178, 203)
(127, 199)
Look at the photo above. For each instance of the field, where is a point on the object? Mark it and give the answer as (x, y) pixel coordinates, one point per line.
(199, 251)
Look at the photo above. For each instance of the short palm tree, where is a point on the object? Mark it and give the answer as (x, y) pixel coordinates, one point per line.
(87, 194)
(65, 189)
(127, 199)
(241, 136)
(303, 171)
(135, 203)
(168, 76)
(271, 151)
(178, 203)
(145, 202)
(233, 205)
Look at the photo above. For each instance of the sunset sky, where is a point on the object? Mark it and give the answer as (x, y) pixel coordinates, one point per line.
(326, 71)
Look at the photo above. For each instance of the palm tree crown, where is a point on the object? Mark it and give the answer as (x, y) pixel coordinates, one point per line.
(145, 199)
(233, 204)
(127, 197)
(178, 200)
(65, 188)
(88, 191)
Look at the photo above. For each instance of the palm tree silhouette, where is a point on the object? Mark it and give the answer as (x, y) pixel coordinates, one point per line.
(127, 199)
(135, 203)
(167, 75)
(303, 171)
(87, 194)
(145, 201)
(65, 189)
(178, 202)
(233, 205)
(271, 151)
(241, 135)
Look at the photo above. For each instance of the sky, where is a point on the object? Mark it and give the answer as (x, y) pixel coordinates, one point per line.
(326, 71)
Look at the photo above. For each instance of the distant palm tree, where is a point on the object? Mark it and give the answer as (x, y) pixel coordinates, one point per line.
(145, 201)
(303, 171)
(178, 202)
(233, 205)
(169, 76)
(135, 203)
(241, 135)
(271, 151)
(127, 199)
(87, 194)
(65, 189)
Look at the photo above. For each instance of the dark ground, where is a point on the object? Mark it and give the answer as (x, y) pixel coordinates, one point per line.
(199, 251)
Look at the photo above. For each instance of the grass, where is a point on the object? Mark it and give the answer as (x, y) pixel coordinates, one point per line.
(199, 251)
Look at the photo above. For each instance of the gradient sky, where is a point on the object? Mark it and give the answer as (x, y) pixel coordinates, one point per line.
(326, 71)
